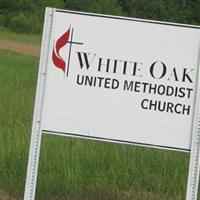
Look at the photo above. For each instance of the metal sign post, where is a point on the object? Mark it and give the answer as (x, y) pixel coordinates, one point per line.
(194, 167)
(36, 134)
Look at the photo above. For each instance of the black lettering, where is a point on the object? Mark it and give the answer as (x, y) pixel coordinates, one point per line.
(107, 64)
(176, 108)
(181, 92)
(152, 88)
(100, 80)
(136, 69)
(115, 84)
(161, 106)
(137, 86)
(169, 91)
(115, 66)
(124, 67)
(186, 109)
(170, 107)
(89, 80)
(186, 76)
(189, 92)
(144, 86)
(154, 105)
(107, 83)
(174, 74)
(163, 72)
(128, 86)
(85, 56)
(161, 89)
(78, 81)
(143, 102)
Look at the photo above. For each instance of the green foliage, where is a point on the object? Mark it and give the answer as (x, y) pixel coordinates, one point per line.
(2, 20)
(105, 7)
(25, 16)
(20, 24)
(182, 11)
(97, 6)
(157, 8)
(78, 5)
(153, 9)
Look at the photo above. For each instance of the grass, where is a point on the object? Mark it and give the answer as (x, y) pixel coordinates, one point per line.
(5, 34)
(17, 81)
(76, 169)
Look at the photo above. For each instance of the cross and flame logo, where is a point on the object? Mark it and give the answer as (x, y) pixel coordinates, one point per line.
(63, 40)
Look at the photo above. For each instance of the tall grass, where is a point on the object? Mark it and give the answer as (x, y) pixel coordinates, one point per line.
(74, 168)
(17, 87)
(6, 34)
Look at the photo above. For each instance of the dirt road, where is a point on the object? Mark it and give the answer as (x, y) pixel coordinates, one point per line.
(24, 48)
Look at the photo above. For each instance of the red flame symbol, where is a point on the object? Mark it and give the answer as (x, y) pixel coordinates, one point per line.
(57, 59)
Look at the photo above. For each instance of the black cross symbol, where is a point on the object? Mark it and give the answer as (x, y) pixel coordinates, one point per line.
(70, 48)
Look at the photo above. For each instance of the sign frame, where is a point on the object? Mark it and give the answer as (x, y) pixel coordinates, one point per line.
(36, 134)
(194, 164)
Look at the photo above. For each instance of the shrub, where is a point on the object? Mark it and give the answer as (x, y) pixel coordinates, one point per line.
(2, 20)
(20, 24)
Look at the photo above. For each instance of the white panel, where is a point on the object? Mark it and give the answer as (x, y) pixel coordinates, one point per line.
(117, 114)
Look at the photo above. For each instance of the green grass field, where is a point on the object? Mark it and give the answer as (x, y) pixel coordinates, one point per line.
(72, 168)
(5, 34)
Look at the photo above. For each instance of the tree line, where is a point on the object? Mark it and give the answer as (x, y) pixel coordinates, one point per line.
(26, 16)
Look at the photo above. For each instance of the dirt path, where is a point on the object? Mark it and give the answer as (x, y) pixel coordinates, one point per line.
(5, 196)
(24, 48)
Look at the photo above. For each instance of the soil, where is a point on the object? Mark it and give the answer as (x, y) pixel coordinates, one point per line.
(6, 196)
(24, 48)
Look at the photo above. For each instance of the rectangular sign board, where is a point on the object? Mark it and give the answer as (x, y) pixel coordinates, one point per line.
(121, 79)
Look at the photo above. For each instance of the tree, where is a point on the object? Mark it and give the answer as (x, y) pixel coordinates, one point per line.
(97, 6)
(182, 11)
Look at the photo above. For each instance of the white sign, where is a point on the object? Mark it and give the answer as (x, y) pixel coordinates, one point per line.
(116, 79)
(121, 79)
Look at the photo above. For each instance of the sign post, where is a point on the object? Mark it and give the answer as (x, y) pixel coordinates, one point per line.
(36, 134)
(194, 167)
(103, 77)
